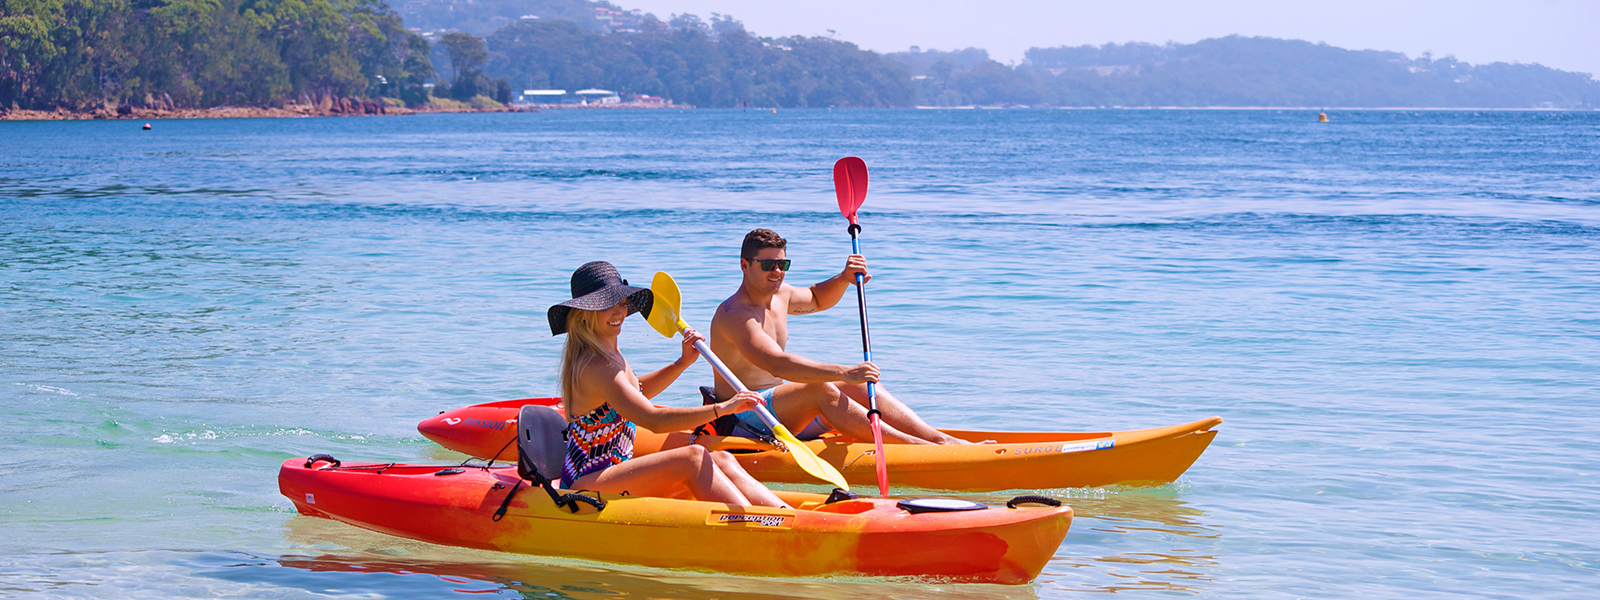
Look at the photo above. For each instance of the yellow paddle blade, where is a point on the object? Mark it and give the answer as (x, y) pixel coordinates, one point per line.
(664, 312)
(808, 460)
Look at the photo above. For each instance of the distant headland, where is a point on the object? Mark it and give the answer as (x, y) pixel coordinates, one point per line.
(202, 58)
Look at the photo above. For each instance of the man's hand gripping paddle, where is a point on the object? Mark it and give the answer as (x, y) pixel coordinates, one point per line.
(850, 185)
(665, 318)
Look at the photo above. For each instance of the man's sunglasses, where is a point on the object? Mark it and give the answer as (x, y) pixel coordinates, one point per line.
(767, 264)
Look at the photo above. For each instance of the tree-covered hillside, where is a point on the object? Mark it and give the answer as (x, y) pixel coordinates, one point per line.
(484, 17)
(698, 63)
(1241, 71)
(201, 53)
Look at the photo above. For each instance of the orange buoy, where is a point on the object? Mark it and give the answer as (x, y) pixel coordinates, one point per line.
(146, 126)
(1322, 117)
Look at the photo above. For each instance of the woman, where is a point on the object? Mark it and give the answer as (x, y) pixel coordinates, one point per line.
(604, 399)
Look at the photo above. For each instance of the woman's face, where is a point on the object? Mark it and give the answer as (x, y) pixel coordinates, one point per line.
(610, 322)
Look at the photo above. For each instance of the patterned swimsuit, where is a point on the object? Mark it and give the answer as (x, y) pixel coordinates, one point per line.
(595, 441)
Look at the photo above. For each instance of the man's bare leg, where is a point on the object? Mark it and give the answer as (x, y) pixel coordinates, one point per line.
(795, 404)
(899, 415)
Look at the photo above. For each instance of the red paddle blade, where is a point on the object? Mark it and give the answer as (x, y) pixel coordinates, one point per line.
(850, 185)
(883, 461)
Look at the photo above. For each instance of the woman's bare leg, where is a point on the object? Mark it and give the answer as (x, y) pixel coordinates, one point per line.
(758, 494)
(659, 474)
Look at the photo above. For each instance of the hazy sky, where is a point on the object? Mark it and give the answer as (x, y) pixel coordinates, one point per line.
(1564, 34)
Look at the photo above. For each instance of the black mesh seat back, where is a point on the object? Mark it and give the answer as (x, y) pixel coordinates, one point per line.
(539, 441)
(726, 425)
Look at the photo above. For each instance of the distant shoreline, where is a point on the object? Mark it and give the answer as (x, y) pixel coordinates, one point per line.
(236, 112)
(1304, 108)
(246, 112)
(359, 109)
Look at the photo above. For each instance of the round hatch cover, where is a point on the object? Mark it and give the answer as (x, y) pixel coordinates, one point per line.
(922, 505)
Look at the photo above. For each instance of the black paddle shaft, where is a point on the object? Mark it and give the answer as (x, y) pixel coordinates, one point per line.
(861, 303)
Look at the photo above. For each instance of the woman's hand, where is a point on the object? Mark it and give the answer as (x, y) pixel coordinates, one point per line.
(690, 354)
(740, 402)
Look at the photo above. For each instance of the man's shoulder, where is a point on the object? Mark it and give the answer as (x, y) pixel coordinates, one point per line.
(733, 308)
(739, 308)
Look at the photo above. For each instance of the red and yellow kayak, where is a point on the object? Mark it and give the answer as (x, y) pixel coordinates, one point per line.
(1018, 460)
(870, 537)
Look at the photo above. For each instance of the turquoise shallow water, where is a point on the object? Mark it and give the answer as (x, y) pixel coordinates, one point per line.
(1394, 312)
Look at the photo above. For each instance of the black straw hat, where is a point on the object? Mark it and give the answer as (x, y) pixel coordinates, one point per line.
(597, 286)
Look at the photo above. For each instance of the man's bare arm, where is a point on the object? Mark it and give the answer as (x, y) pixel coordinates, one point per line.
(824, 294)
(765, 353)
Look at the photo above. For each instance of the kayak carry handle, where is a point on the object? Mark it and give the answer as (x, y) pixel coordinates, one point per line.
(1045, 500)
(840, 495)
(316, 458)
(574, 498)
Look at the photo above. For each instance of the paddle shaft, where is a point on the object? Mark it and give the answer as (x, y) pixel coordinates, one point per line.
(722, 369)
(866, 338)
(873, 416)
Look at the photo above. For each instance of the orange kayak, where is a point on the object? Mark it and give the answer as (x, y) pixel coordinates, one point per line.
(1018, 460)
(854, 537)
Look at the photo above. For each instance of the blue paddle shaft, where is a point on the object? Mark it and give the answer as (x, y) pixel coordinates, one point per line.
(866, 340)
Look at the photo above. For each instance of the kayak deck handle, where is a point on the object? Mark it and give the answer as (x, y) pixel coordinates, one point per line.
(316, 458)
(1045, 500)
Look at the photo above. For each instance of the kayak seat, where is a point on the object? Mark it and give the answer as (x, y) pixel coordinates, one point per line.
(539, 443)
(540, 450)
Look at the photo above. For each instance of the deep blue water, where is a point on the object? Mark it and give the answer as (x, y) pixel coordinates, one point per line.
(1395, 313)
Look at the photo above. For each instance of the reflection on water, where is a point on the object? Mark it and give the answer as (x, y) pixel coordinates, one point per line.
(1112, 518)
(351, 560)
(1109, 519)
(1122, 539)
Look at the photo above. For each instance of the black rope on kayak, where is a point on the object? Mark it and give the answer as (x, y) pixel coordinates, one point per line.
(1045, 500)
(500, 514)
(379, 467)
(501, 451)
(575, 497)
(335, 465)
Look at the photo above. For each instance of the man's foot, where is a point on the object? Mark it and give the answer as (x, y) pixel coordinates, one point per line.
(950, 440)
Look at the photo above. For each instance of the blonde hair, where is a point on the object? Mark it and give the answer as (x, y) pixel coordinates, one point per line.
(583, 345)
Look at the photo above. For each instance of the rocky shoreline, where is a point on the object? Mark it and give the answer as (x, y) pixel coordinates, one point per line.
(344, 107)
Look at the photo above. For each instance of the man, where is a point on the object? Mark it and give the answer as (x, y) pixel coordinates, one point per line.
(750, 332)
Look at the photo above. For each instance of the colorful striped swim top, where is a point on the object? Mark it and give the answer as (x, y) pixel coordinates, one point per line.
(596, 440)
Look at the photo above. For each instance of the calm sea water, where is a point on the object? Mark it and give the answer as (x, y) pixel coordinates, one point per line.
(1395, 313)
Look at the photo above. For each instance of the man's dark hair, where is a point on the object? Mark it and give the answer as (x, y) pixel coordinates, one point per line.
(760, 239)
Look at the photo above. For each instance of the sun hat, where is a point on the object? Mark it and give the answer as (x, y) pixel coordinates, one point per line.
(597, 286)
